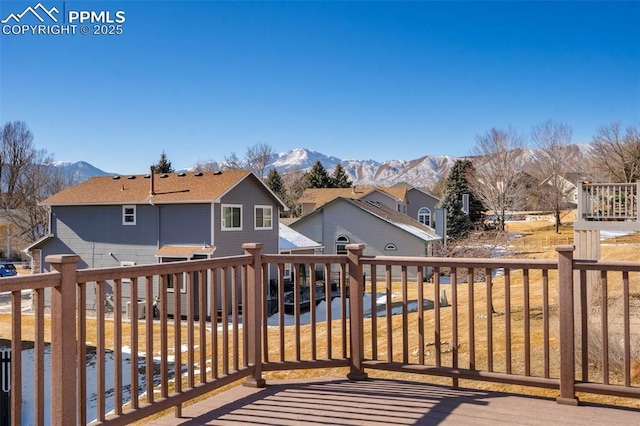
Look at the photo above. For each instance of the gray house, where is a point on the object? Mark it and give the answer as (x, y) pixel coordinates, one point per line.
(421, 205)
(383, 230)
(144, 219)
(412, 201)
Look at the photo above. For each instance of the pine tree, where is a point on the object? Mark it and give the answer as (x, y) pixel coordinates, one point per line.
(340, 179)
(458, 222)
(162, 166)
(276, 184)
(318, 177)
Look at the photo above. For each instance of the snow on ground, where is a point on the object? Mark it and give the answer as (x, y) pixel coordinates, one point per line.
(28, 392)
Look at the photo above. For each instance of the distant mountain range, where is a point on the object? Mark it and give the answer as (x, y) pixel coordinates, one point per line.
(422, 172)
(78, 172)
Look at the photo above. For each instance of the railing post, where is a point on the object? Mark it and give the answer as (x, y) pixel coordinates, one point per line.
(252, 314)
(567, 330)
(356, 320)
(63, 341)
(583, 200)
(635, 201)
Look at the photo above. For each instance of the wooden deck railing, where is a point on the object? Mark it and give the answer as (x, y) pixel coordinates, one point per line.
(365, 313)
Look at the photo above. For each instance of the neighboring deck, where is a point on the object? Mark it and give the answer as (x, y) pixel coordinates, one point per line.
(338, 401)
(608, 206)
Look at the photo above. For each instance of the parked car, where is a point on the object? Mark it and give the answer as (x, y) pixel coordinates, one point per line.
(7, 270)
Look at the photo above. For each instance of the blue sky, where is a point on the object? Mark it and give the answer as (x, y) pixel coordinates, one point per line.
(366, 80)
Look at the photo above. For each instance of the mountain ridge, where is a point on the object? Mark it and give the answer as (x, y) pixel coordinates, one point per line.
(423, 172)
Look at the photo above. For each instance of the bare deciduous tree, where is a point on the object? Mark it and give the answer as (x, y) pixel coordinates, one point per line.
(258, 157)
(204, 166)
(617, 153)
(295, 184)
(552, 164)
(232, 162)
(496, 175)
(26, 178)
(16, 153)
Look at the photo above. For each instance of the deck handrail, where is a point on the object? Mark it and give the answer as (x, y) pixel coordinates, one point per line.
(345, 337)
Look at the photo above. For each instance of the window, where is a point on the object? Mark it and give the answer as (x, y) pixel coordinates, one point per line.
(128, 215)
(263, 217)
(180, 283)
(231, 217)
(390, 247)
(424, 216)
(341, 244)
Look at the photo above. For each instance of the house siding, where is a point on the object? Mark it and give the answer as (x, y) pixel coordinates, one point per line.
(185, 224)
(418, 199)
(342, 218)
(249, 194)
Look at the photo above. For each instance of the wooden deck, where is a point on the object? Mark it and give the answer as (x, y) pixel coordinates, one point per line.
(337, 401)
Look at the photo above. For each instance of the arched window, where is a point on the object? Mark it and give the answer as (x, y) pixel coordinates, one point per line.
(424, 216)
(390, 247)
(341, 244)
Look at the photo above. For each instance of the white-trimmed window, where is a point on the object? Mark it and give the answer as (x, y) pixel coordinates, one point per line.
(263, 217)
(232, 217)
(181, 282)
(341, 244)
(128, 215)
(424, 216)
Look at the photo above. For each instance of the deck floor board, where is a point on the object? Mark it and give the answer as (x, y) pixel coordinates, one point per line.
(337, 401)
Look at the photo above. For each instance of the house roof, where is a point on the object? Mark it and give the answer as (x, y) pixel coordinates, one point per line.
(320, 196)
(160, 188)
(293, 240)
(391, 216)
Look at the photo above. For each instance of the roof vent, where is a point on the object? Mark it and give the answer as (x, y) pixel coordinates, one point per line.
(373, 203)
(217, 172)
(131, 177)
(182, 174)
(147, 176)
(164, 176)
(116, 177)
(198, 174)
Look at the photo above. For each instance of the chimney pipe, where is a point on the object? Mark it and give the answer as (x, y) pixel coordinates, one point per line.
(153, 189)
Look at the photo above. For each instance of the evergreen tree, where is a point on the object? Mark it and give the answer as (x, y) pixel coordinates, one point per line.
(339, 179)
(318, 177)
(162, 166)
(276, 184)
(458, 222)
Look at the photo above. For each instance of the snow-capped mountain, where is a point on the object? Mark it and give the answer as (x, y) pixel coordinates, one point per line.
(77, 172)
(422, 172)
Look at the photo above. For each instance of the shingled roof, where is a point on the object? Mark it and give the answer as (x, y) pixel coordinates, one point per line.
(320, 196)
(166, 188)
